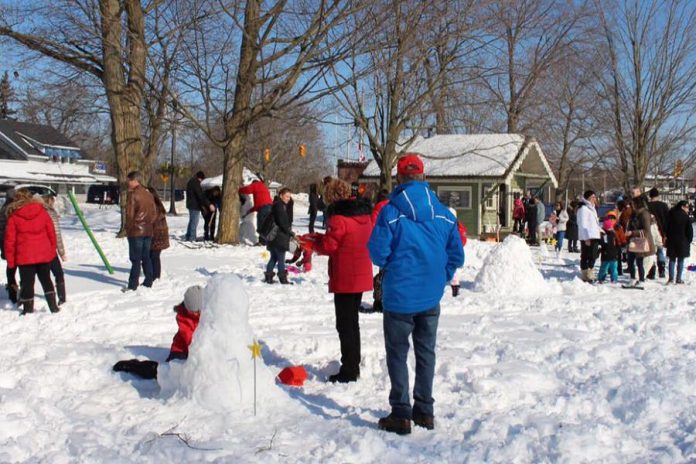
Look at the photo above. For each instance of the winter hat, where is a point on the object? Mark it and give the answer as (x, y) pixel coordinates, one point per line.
(336, 190)
(193, 298)
(410, 163)
(654, 192)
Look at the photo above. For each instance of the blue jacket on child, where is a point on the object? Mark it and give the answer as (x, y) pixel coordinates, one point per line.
(416, 243)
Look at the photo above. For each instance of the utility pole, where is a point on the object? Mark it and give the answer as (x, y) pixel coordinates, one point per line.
(172, 202)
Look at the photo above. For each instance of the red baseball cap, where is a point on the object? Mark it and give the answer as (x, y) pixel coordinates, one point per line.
(410, 163)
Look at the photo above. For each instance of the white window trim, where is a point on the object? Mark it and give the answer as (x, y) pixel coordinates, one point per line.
(493, 199)
(458, 188)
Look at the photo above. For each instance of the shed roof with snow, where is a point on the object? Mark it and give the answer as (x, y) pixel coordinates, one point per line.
(474, 155)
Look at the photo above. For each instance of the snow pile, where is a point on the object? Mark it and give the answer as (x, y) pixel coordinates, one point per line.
(509, 269)
(219, 372)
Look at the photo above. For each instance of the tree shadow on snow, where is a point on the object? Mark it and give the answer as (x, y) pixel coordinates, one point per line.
(96, 276)
(315, 403)
(101, 266)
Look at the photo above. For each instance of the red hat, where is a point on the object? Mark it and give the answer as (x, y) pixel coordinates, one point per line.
(410, 163)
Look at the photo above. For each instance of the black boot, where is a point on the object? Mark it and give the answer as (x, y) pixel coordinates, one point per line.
(283, 277)
(455, 290)
(60, 290)
(651, 273)
(27, 306)
(661, 269)
(12, 292)
(51, 300)
(268, 277)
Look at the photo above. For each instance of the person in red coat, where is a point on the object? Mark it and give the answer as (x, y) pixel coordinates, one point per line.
(30, 245)
(350, 270)
(262, 199)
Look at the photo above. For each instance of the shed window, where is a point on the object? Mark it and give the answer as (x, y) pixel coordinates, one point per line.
(455, 197)
(491, 201)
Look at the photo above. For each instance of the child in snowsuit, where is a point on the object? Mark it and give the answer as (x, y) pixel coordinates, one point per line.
(188, 313)
(610, 250)
(304, 250)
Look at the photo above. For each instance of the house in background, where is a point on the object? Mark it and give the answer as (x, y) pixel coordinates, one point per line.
(479, 174)
(38, 154)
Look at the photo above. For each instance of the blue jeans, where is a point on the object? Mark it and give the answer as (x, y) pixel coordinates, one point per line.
(560, 235)
(277, 256)
(610, 267)
(194, 217)
(139, 254)
(680, 268)
(423, 328)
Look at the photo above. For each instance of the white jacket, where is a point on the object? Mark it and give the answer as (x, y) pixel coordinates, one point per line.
(562, 219)
(588, 222)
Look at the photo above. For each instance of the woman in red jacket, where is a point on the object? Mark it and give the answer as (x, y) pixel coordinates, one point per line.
(30, 244)
(350, 270)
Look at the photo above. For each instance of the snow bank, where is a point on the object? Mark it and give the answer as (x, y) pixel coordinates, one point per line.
(509, 269)
(219, 372)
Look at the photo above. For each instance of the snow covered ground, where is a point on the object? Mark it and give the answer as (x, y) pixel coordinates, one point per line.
(530, 369)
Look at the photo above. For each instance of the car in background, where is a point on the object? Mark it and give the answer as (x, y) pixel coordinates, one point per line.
(36, 189)
(103, 194)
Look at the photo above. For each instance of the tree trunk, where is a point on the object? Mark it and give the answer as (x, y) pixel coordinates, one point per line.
(231, 181)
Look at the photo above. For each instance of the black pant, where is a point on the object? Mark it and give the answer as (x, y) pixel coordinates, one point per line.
(532, 226)
(156, 264)
(572, 244)
(348, 327)
(11, 272)
(27, 274)
(312, 219)
(209, 220)
(57, 270)
(588, 254)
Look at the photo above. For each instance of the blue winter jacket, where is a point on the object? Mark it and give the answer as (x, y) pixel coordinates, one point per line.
(416, 242)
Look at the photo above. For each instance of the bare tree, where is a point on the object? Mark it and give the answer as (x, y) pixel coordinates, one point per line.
(107, 40)
(528, 37)
(391, 85)
(650, 82)
(283, 50)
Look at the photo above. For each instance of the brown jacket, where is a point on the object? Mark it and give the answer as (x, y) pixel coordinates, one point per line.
(140, 213)
(160, 236)
(641, 222)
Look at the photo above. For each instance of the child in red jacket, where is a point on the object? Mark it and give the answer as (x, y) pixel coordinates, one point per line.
(188, 313)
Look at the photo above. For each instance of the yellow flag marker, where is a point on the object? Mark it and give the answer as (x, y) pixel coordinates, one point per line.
(255, 349)
(255, 353)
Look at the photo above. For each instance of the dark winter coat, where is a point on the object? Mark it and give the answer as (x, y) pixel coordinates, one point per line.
(530, 215)
(640, 221)
(345, 242)
(187, 322)
(313, 203)
(3, 224)
(572, 225)
(141, 212)
(279, 213)
(261, 194)
(660, 210)
(290, 210)
(30, 237)
(160, 229)
(609, 249)
(679, 233)
(195, 198)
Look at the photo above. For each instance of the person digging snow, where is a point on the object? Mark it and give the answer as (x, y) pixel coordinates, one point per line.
(188, 314)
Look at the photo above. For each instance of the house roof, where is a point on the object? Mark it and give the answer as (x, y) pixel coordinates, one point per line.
(34, 171)
(474, 155)
(20, 139)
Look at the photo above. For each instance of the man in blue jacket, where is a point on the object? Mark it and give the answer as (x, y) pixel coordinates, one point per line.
(416, 242)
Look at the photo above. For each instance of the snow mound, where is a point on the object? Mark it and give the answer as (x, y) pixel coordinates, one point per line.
(509, 269)
(219, 372)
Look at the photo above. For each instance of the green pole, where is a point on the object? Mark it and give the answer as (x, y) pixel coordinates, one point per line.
(78, 211)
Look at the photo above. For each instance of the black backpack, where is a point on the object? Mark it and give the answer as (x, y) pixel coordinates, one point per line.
(268, 230)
